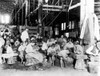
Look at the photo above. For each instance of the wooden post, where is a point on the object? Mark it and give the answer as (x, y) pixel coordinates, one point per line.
(26, 11)
(87, 7)
(22, 15)
(82, 12)
(29, 10)
(40, 16)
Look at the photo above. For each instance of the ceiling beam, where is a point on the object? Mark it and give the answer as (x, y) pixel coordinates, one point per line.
(48, 9)
(61, 7)
(74, 6)
(52, 6)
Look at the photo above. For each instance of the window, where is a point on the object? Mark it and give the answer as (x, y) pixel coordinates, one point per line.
(63, 26)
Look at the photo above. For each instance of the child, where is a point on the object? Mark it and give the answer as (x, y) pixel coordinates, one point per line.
(2, 42)
(79, 52)
(9, 53)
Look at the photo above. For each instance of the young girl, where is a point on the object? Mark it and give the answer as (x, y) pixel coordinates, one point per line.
(79, 52)
(21, 50)
(51, 52)
(9, 53)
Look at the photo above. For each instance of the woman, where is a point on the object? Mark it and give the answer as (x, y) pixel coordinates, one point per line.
(32, 55)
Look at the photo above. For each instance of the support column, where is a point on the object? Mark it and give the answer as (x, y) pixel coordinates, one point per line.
(87, 7)
(26, 11)
(82, 12)
(90, 11)
(40, 16)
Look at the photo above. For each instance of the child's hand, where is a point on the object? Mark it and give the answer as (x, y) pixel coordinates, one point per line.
(85, 57)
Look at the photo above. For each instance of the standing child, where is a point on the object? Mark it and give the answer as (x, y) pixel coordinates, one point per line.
(79, 52)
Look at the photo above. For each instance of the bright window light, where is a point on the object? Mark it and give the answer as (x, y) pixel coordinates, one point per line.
(62, 26)
(2, 19)
(5, 18)
(46, 1)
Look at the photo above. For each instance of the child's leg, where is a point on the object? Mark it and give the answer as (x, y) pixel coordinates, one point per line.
(61, 62)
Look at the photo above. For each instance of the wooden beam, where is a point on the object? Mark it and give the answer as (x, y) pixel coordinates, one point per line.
(26, 11)
(48, 9)
(57, 2)
(89, 6)
(58, 8)
(97, 3)
(52, 2)
(74, 6)
(82, 12)
(52, 6)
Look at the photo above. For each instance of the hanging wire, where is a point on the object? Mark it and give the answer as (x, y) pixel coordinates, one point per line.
(49, 12)
(34, 10)
(55, 18)
(45, 16)
(60, 13)
(18, 11)
(52, 2)
(38, 8)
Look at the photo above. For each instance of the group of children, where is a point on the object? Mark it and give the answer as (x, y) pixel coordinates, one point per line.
(48, 50)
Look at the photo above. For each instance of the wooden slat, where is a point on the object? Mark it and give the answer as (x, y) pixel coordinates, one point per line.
(96, 3)
(74, 6)
(47, 9)
(52, 6)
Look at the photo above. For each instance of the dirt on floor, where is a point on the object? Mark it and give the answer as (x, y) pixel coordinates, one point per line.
(50, 71)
